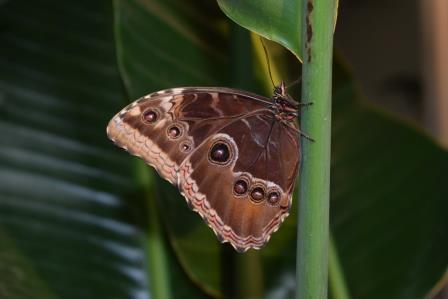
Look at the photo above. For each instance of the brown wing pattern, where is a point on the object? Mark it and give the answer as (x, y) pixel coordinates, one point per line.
(232, 160)
(266, 160)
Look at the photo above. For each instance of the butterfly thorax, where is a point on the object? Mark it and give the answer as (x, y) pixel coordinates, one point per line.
(285, 107)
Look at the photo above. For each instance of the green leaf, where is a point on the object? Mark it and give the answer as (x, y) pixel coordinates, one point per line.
(159, 45)
(388, 200)
(63, 229)
(272, 19)
(277, 20)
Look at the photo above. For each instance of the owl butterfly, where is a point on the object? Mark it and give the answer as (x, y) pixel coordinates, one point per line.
(233, 155)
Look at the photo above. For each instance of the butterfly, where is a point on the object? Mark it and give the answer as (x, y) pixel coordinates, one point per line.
(233, 155)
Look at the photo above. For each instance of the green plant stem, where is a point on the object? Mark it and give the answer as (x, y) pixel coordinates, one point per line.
(338, 288)
(313, 213)
(157, 260)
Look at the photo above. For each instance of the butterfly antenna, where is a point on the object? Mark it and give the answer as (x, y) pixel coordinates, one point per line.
(267, 60)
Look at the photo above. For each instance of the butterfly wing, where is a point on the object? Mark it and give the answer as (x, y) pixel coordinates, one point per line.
(245, 197)
(231, 159)
(142, 127)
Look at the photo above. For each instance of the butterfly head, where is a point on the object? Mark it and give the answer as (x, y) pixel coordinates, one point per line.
(280, 90)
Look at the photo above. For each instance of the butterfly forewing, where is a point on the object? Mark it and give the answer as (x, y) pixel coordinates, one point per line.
(232, 159)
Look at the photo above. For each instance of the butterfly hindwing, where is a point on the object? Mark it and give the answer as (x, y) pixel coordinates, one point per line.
(234, 162)
(238, 215)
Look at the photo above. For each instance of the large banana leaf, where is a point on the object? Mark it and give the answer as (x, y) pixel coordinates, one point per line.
(65, 230)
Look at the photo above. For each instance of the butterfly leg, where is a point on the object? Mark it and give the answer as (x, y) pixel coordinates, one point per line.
(306, 136)
(300, 133)
(305, 104)
(298, 104)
